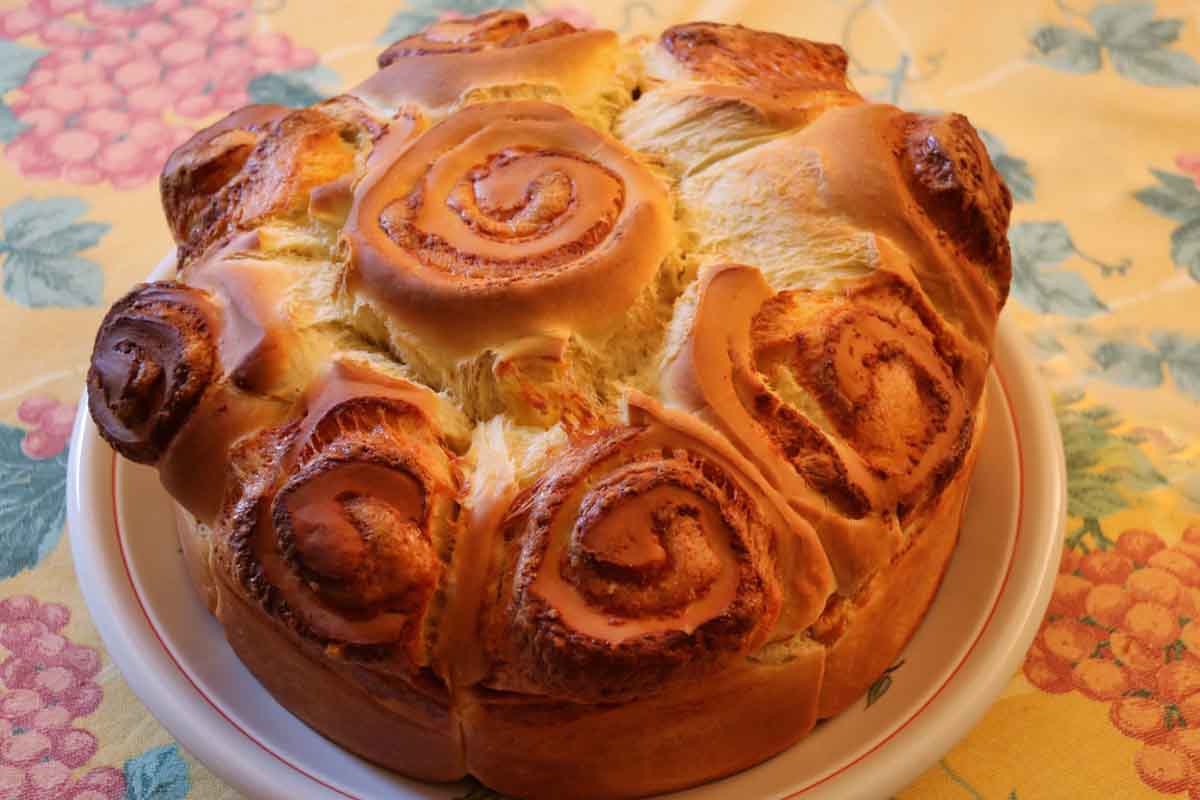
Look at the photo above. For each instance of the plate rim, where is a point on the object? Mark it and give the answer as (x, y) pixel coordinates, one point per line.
(126, 628)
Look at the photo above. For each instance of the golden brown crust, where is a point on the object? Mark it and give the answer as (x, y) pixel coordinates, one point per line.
(390, 723)
(865, 355)
(155, 355)
(541, 575)
(954, 181)
(514, 219)
(291, 155)
(342, 521)
(725, 723)
(866, 633)
(783, 81)
(439, 67)
(777, 64)
(204, 164)
(849, 399)
(897, 159)
(646, 557)
(494, 29)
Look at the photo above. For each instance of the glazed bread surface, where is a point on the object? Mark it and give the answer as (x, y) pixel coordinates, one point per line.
(588, 417)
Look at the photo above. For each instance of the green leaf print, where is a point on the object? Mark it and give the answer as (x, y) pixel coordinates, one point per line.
(1015, 171)
(1037, 250)
(1185, 247)
(1129, 364)
(40, 243)
(1176, 197)
(1137, 44)
(1181, 354)
(1066, 49)
(1105, 470)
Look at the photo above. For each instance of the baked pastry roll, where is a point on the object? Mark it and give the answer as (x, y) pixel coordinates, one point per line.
(591, 418)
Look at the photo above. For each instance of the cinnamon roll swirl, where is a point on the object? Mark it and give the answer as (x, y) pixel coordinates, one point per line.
(647, 555)
(332, 548)
(515, 220)
(850, 399)
(154, 356)
(408, 393)
(345, 517)
(180, 371)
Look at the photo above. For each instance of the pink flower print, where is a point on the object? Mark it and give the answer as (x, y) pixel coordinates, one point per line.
(51, 423)
(103, 104)
(47, 687)
(1190, 163)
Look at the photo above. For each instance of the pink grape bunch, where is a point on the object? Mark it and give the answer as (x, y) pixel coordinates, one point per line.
(49, 682)
(123, 83)
(51, 423)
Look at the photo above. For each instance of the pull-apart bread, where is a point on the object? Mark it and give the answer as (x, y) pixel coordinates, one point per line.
(589, 417)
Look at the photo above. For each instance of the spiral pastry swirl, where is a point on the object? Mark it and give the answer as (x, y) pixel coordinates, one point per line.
(347, 516)
(874, 368)
(646, 555)
(154, 357)
(515, 220)
(849, 400)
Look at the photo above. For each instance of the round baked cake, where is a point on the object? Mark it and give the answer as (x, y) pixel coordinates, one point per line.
(588, 417)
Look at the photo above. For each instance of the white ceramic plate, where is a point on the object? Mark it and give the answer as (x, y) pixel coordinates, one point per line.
(995, 591)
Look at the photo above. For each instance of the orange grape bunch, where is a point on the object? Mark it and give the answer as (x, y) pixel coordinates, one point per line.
(1123, 627)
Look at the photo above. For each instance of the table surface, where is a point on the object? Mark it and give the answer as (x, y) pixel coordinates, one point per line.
(1091, 113)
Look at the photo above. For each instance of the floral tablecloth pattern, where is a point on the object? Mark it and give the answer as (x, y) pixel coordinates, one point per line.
(1091, 112)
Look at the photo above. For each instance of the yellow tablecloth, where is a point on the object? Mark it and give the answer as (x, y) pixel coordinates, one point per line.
(1091, 112)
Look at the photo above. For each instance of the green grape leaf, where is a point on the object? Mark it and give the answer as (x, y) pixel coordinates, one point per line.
(1128, 364)
(1065, 49)
(1156, 67)
(1182, 356)
(41, 242)
(1185, 247)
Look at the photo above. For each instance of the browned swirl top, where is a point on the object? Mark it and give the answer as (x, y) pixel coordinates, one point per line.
(154, 357)
(648, 554)
(200, 167)
(850, 399)
(935, 196)
(262, 165)
(513, 219)
(868, 357)
(345, 517)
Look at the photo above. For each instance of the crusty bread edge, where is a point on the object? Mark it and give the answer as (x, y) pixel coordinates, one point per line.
(408, 732)
(896, 601)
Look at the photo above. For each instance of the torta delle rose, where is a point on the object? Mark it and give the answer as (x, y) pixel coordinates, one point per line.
(588, 417)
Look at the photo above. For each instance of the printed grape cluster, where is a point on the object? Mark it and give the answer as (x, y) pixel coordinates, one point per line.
(49, 682)
(51, 423)
(124, 83)
(1124, 628)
